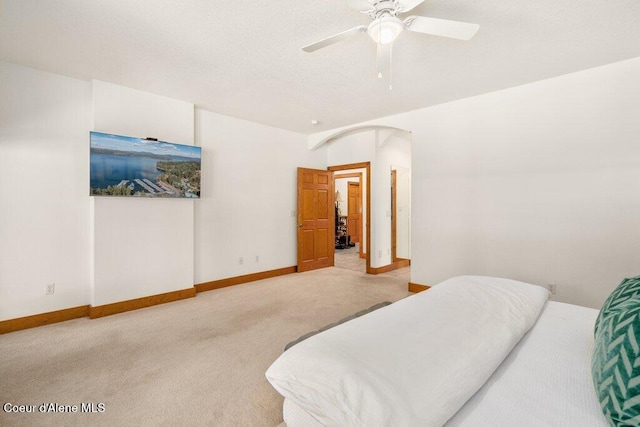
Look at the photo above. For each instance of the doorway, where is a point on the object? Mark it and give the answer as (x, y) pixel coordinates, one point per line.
(353, 216)
(386, 147)
(400, 214)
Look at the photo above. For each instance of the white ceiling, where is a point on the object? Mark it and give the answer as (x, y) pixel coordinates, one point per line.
(243, 58)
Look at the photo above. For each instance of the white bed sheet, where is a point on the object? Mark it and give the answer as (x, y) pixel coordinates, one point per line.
(545, 381)
(295, 416)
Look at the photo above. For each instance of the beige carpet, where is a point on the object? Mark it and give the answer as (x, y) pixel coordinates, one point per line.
(194, 362)
(350, 259)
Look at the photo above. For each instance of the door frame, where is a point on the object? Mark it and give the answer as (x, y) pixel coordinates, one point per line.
(394, 219)
(394, 215)
(367, 188)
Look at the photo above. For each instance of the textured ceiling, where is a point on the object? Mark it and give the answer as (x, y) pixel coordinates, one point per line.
(243, 58)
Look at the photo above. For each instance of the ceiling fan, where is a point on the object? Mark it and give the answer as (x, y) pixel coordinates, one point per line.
(387, 26)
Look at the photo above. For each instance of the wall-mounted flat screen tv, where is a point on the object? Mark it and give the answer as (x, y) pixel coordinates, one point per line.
(139, 167)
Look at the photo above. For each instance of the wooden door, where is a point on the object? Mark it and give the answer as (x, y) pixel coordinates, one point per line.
(316, 219)
(354, 214)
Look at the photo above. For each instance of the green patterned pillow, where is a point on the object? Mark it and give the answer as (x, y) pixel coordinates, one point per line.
(615, 364)
(628, 288)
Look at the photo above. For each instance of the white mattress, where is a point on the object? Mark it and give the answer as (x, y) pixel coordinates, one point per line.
(545, 381)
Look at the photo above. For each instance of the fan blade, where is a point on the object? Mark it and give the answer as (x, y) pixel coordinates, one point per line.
(407, 5)
(335, 38)
(441, 27)
(360, 5)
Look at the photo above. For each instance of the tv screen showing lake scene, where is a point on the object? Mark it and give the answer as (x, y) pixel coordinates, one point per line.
(126, 166)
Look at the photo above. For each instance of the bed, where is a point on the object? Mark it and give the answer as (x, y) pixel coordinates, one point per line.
(471, 351)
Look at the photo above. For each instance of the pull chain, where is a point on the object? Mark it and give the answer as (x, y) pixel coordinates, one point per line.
(390, 67)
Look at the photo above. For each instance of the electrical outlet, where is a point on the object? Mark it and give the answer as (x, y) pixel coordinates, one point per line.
(379, 254)
(257, 258)
(50, 289)
(240, 260)
(552, 288)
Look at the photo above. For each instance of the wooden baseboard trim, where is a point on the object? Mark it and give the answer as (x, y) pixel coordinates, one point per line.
(400, 263)
(134, 304)
(231, 281)
(414, 287)
(36, 320)
(27, 322)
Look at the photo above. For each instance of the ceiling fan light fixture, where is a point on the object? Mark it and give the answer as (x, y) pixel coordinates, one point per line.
(385, 29)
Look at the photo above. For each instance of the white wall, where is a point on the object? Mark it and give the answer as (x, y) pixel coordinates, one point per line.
(392, 151)
(537, 183)
(103, 250)
(249, 196)
(141, 247)
(353, 148)
(403, 212)
(44, 188)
